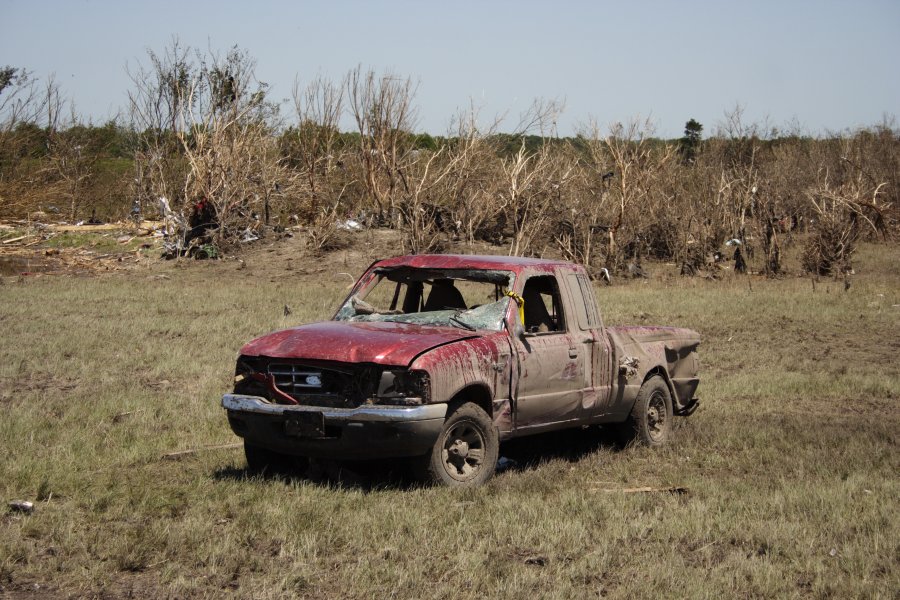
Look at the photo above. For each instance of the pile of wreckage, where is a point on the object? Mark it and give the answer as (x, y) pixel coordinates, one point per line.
(29, 247)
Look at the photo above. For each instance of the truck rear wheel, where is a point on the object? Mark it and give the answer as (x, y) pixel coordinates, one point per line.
(650, 422)
(466, 451)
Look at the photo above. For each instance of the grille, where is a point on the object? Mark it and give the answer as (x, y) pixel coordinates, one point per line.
(298, 380)
(334, 385)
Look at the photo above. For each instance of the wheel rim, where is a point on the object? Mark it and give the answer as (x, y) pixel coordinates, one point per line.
(657, 417)
(463, 452)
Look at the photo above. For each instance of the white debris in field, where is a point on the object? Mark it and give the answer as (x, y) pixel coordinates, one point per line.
(249, 236)
(349, 225)
(23, 506)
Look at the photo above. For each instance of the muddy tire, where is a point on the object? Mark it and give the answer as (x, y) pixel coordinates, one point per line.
(650, 422)
(466, 451)
(262, 460)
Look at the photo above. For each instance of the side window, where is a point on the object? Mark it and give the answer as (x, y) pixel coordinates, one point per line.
(584, 299)
(543, 308)
(590, 301)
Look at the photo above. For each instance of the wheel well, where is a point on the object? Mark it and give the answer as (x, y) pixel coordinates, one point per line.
(476, 394)
(660, 371)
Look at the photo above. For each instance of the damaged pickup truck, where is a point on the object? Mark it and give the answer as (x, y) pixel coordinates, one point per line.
(439, 358)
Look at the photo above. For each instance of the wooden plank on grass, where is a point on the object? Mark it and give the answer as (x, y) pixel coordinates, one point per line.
(642, 490)
(183, 453)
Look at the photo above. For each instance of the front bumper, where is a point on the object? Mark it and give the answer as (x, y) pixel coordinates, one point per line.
(365, 432)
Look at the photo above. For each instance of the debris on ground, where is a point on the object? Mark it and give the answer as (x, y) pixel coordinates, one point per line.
(22, 506)
(54, 254)
(642, 490)
(182, 453)
(505, 464)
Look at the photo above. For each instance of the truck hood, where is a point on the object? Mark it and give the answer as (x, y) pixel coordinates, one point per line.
(382, 343)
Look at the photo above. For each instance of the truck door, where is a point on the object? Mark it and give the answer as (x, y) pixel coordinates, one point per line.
(552, 363)
(596, 342)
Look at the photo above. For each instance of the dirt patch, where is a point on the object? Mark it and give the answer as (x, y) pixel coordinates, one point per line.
(36, 382)
(23, 265)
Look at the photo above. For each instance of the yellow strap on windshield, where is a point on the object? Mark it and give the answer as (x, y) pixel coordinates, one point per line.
(520, 302)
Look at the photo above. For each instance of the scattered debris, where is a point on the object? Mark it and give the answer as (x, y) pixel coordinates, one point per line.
(643, 490)
(121, 416)
(635, 270)
(16, 239)
(249, 236)
(22, 506)
(183, 453)
(349, 225)
(629, 366)
(505, 464)
(605, 277)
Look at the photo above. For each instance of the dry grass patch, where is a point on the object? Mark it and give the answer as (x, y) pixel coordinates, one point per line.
(790, 463)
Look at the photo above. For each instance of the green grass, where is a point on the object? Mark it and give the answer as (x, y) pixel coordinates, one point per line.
(790, 463)
(97, 242)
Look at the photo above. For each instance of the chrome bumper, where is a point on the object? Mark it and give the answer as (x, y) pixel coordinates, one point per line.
(392, 414)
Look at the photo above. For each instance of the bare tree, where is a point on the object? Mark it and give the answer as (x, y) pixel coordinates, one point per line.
(318, 107)
(71, 163)
(470, 186)
(226, 134)
(382, 109)
(635, 166)
(209, 142)
(156, 103)
(531, 183)
(846, 206)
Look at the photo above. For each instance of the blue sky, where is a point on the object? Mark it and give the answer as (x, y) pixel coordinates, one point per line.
(824, 65)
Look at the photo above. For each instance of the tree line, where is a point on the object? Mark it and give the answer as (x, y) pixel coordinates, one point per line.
(200, 130)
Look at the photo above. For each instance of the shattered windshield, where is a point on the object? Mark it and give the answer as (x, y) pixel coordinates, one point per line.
(461, 298)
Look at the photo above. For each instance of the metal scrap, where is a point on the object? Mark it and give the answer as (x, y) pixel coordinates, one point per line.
(629, 366)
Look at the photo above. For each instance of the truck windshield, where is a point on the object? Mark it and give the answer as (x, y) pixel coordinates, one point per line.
(466, 299)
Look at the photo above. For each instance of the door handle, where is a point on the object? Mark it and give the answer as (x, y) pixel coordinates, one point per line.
(573, 352)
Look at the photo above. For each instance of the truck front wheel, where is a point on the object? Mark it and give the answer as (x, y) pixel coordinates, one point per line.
(650, 422)
(466, 451)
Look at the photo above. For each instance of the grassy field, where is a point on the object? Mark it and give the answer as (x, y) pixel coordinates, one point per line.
(790, 465)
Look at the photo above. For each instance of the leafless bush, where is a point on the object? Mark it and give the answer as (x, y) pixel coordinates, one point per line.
(209, 143)
(382, 109)
(312, 145)
(470, 184)
(842, 214)
(156, 103)
(325, 234)
(29, 117)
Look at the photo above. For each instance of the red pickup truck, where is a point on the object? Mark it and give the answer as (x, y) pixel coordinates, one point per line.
(439, 358)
